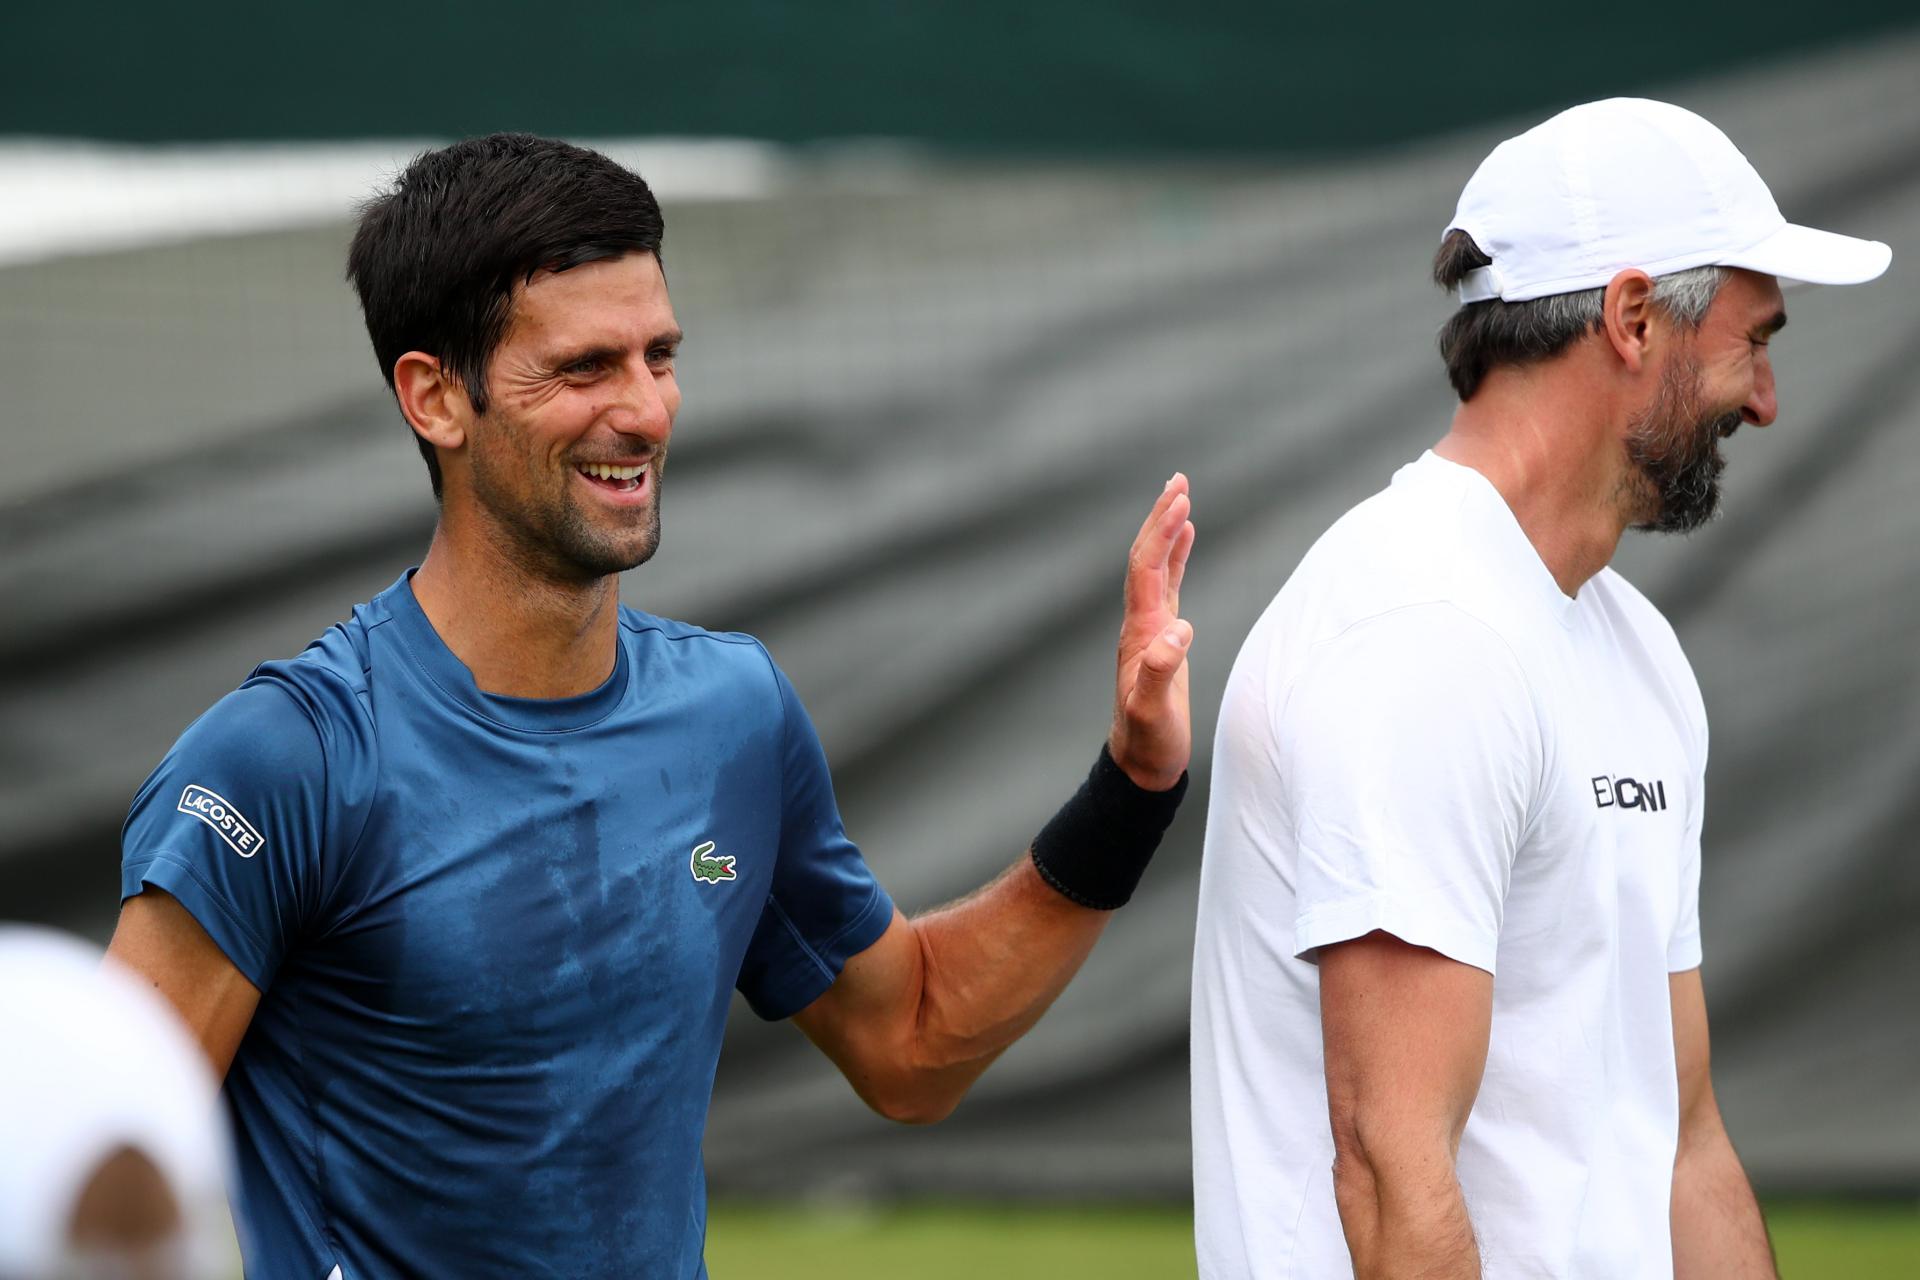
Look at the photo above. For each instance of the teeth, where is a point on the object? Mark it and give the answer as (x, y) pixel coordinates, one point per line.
(605, 472)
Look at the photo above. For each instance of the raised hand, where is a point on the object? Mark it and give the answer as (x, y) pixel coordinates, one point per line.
(1152, 735)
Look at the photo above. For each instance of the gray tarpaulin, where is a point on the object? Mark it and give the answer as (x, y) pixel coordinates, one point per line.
(926, 405)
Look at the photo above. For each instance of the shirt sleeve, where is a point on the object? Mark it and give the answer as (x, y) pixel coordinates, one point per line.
(1683, 948)
(233, 823)
(825, 906)
(1410, 758)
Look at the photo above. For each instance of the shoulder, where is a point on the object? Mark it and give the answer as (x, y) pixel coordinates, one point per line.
(330, 681)
(295, 726)
(285, 701)
(262, 727)
(650, 628)
(1420, 662)
(722, 650)
(1389, 539)
(723, 662)
(1416, 558)
(254, 768)
(1428, 657)
(304, 717)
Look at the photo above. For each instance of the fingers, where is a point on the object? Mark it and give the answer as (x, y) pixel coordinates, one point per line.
(1153, 693)
(1152, 734)
(1177, 564)
(1155, 543)
(1174, 487)
(1160, 522)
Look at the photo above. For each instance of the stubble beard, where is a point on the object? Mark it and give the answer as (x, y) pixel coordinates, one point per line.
(1673, 455)
(551, 536)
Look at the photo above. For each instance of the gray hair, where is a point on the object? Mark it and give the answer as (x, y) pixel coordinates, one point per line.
(1484, 335)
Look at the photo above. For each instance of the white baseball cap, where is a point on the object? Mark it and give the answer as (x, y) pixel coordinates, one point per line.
(92, 1060)
(1628, 182)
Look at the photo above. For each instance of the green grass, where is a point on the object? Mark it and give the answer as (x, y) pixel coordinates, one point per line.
(949, 1243)
(1819, 1240)
(1815, 1240)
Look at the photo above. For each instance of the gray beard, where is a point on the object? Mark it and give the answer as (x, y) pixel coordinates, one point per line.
(1675, 455)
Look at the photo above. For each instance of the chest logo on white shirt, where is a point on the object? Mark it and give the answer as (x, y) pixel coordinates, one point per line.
(241, 836)
(1629, 793)
(708, 869)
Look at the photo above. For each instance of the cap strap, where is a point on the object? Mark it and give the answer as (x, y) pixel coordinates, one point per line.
(1479, 285)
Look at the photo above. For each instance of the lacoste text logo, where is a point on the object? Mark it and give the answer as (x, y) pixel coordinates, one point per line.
(241, 836)
(708, 869)
(1629, 793)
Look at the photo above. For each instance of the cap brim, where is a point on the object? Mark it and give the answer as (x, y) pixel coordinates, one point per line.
(1795, 253)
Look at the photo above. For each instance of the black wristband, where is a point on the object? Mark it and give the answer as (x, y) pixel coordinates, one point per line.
(1097, 847)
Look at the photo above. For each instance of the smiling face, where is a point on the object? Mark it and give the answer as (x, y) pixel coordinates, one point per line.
(566, 463)
(1714, 379)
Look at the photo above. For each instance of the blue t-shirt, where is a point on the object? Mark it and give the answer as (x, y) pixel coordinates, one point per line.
(496, 939)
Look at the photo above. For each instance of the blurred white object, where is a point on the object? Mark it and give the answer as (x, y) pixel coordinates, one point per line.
(93, 1063)
(66, 197)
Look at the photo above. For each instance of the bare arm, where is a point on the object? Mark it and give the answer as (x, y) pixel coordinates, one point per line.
(1405, 1030)
(165, 946)
(913, 1020)
(1718, 1233)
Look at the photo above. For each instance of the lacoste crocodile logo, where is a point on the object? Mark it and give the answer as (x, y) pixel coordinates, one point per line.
(708, 869)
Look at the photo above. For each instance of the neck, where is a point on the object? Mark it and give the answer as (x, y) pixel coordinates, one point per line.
(521, 634)
(1549, 446)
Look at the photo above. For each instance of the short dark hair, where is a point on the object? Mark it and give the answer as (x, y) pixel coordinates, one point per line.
(436, 257)
(1483, 335)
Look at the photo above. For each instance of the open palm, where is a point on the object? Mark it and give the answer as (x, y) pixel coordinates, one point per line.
(1152, 737)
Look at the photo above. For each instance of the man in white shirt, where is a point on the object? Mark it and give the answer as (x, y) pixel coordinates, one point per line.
(1447, 1009)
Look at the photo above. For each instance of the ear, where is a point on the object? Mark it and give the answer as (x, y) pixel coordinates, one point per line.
(1626, 317)
(434, 403)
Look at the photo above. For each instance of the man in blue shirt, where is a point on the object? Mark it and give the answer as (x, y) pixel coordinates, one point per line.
(456, 899)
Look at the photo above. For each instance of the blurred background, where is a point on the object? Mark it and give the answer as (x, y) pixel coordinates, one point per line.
(963, 285)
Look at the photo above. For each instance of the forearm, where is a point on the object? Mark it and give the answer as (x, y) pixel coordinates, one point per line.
(990, 964)
(1404, 1216)
(916, 1018)
(1718, 1232)
(1404, 1033)
(993, 962)
(919, 1015)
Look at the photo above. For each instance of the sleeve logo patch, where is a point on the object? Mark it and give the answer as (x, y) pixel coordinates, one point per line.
(708, 869)
(241, 836)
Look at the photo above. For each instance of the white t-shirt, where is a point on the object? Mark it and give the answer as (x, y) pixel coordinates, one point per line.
(1424, 735)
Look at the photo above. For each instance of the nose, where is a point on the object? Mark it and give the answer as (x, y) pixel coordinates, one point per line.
(1760, 406)
(646, 407)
